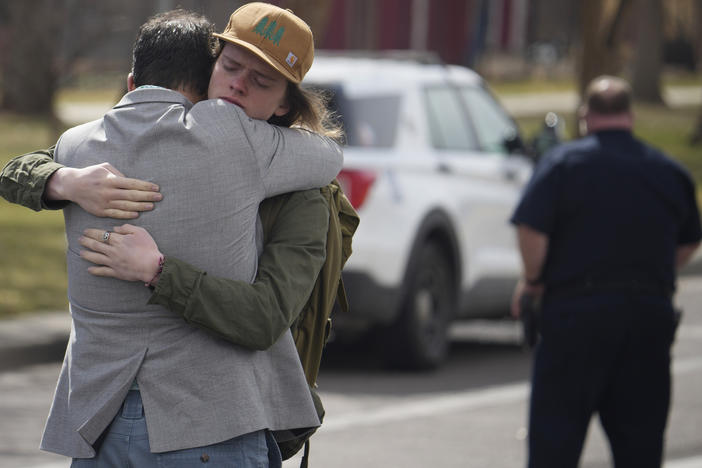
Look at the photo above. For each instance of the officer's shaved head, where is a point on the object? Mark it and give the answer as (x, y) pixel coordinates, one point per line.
(606, 105)
(608, 95)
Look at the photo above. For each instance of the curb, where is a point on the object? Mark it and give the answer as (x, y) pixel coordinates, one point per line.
(33, 339)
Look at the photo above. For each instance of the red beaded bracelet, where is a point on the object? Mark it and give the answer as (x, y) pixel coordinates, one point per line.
(158, 272)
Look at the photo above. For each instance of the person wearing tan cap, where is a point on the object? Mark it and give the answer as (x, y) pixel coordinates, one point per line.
(256, 404)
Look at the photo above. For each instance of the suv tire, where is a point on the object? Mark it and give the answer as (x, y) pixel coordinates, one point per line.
(419, 337)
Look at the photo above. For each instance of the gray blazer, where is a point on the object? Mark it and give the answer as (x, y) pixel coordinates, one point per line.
(214, 166)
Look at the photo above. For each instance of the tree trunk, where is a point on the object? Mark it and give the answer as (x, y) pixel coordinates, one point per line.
(592, 50)
(601, 22)
(648, 59)
(29, 74)
(696, 137)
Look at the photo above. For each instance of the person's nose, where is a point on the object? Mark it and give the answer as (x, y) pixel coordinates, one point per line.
(238, 83)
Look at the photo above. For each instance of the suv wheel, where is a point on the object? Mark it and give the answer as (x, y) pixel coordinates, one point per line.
(418, 339)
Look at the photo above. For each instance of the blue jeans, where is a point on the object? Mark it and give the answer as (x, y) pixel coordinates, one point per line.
(125, 443)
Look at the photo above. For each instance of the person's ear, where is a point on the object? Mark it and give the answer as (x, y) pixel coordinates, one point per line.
(130, 82)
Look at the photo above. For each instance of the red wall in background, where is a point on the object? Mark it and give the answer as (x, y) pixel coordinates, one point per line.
(448, 26)
(335, 35)
(394, 25)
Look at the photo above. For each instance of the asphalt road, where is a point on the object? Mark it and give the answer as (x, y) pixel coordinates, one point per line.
(470, 413)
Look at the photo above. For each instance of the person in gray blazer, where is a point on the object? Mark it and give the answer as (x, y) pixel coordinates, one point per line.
(195, 390)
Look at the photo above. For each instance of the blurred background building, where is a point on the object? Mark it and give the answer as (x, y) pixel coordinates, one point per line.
(45, 44)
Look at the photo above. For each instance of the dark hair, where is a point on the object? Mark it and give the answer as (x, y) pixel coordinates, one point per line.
(174, 50)
(608, 95)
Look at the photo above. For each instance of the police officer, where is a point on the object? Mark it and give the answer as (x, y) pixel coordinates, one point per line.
(603, 226)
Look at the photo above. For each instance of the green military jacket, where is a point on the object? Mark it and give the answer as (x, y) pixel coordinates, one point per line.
(250, 315)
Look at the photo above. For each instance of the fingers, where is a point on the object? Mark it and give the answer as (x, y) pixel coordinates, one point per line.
(122, 209)
(102, 271)
(119, 214)
(94, 239)
(125, 205)
(121, 194)
(126, 183)
(95, 257)
(126, 229)
(98, 248)
(95, 234)
(126, 209)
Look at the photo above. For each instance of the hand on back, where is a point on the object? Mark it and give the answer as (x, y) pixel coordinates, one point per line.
(103, 191)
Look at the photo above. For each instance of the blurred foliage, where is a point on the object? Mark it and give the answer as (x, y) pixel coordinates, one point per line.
(670, 130)
(667, 129)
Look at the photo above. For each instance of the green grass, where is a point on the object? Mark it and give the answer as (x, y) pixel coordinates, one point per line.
(32, 261)
(531, 86)
(670, 131)
(664, 128)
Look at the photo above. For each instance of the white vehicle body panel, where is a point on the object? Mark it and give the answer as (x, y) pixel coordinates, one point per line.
(475, 190)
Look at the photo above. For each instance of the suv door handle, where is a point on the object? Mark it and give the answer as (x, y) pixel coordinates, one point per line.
(510, 174)
(444, 168)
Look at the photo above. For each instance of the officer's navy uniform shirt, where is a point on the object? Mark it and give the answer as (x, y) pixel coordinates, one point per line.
(613, 209)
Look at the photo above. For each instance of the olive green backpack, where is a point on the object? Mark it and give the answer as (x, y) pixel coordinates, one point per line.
(312, 327)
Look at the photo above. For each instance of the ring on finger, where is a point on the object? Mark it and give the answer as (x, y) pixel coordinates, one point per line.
(106, 237)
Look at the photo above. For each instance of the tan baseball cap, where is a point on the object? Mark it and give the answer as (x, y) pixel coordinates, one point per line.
(276, 35)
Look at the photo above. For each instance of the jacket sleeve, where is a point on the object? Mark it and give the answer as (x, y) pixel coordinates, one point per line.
(296, 159)
(255, 315)
(288, 159)
(23, 180)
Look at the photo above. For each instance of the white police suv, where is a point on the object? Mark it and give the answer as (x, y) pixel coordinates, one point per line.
(434, 166)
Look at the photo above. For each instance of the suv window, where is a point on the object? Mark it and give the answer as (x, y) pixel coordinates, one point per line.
(448, 123)
(371, 121)
(367, 121)
(491, 123)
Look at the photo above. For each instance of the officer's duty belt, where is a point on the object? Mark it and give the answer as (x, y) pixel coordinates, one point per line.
(629, 286)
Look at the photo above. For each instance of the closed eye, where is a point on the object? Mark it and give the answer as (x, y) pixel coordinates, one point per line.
(230, 65)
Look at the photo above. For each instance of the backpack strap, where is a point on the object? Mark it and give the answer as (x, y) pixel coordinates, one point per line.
(306, 456)
(341, 297)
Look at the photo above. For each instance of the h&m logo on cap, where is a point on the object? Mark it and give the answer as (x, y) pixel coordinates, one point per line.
(267, 31)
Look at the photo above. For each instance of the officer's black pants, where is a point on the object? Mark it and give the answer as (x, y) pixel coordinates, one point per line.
(604, 353)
